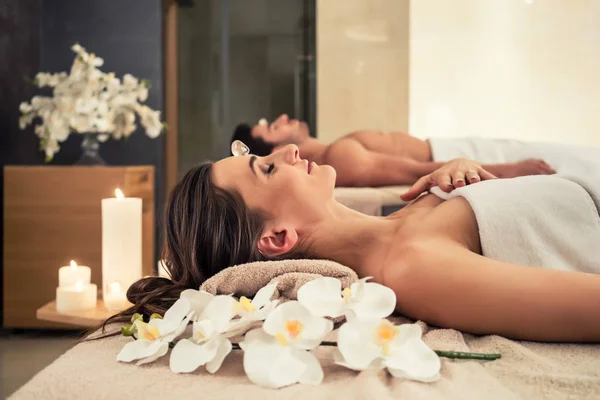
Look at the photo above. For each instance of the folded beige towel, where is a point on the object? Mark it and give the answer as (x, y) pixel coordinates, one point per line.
(247, 279)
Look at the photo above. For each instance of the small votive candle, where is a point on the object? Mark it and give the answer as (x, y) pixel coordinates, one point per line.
(70, 275)
(80, 296)
(116, 298)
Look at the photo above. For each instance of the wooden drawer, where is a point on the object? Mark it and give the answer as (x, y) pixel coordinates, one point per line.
(52, 215)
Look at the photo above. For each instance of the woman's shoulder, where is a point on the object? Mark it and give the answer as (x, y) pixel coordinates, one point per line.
(412, 255)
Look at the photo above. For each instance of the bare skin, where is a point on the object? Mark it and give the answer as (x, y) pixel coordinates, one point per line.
(373, 158)
(428, 253)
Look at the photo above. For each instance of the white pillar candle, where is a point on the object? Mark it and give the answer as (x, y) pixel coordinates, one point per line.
(115, 298)
(77, 297)
(70, 275)
(121, 241)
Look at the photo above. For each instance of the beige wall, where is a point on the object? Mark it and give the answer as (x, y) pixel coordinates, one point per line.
(506, 69)
(362, 66)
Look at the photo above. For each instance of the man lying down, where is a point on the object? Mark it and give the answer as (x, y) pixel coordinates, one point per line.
(370, 158)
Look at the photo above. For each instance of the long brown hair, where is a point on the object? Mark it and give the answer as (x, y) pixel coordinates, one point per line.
(206, 230)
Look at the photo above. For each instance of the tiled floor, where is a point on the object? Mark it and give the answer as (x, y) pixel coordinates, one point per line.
(23, 354)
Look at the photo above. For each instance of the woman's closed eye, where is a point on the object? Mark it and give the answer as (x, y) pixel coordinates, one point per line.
(270, 169)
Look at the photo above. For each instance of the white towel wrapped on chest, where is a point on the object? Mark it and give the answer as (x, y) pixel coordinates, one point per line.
(541, 221)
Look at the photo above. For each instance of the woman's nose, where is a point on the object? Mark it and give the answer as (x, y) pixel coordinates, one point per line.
(290, 153)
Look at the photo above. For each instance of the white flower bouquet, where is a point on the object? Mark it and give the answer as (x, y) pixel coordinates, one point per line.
(278, 353)
(88, 101)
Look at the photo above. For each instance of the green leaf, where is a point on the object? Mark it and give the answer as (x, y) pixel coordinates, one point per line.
(155, 316)
(48, 159)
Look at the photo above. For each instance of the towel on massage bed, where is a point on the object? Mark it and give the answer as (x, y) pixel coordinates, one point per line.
(527, 370)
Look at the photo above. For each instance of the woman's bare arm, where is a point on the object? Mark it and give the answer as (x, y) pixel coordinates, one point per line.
(449, 286)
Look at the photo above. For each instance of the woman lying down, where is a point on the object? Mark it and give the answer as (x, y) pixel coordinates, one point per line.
(516, 257)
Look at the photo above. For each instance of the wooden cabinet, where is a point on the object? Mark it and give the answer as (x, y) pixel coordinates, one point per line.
(53, 215)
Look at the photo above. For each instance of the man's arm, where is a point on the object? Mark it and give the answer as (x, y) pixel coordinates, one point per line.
(451, 287)
(357, 166)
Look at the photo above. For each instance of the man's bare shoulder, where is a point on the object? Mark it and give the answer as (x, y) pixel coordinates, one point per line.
(343, 149)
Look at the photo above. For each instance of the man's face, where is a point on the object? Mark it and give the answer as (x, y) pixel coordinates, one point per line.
(282, 131)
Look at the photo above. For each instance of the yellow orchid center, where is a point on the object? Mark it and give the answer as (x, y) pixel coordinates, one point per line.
(200, 336)
(293, 328)
(146, 331)
(346, 294)
(246, 304)
(385, 333)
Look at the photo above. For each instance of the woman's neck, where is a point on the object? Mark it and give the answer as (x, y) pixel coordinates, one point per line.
(352, 238)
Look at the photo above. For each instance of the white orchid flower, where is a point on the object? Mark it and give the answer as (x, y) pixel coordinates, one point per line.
(209, 344)
(378, 344)
(275, 355)
(253, 310)
(363, 300)
(153, 337)
(88, 99)
(25, 107)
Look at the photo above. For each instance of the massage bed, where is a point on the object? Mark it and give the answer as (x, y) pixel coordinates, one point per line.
(379, 201)
(527, 370)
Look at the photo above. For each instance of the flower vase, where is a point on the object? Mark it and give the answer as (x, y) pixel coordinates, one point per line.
(90, 147)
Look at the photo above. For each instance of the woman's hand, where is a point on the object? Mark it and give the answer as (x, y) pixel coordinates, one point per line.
(454, 174)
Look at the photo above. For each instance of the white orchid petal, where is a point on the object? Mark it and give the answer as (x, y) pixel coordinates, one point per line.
(177, 312)
(162, 350)
(219, 311)
(178, 331)
(204, 329)
(138, 349)
(263, 313)
(257, 334)
(414, 360)
(322, 296)
(292, 310)
(171, 321)
(239, 327)
(313, 374)
(313, 332)
(260, 352)
(198, 299)
(356, 346)
(187, 356)
(263, 296)
(223, 349)
(269, 364)
(376, 301)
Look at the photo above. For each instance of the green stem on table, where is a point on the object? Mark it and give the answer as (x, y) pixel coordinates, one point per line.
(447, 354)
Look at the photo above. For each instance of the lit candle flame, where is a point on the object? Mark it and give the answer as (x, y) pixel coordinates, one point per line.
(119, 194)
(114, 287)
(79, 286)
(73, 265)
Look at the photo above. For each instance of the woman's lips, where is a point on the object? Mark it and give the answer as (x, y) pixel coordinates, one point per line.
(311, 165)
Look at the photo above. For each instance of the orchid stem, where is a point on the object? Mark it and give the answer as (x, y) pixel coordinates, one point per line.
(447, 354)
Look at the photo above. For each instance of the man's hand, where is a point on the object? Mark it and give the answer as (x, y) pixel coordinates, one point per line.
(454, 174)
(530, 166)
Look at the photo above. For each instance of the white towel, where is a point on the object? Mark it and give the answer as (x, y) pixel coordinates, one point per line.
(540, 221)
(565, 159)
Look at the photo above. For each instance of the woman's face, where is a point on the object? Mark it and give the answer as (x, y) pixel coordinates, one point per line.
(291, 191)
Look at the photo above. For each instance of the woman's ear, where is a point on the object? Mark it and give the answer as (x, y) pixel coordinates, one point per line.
(275, 242)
